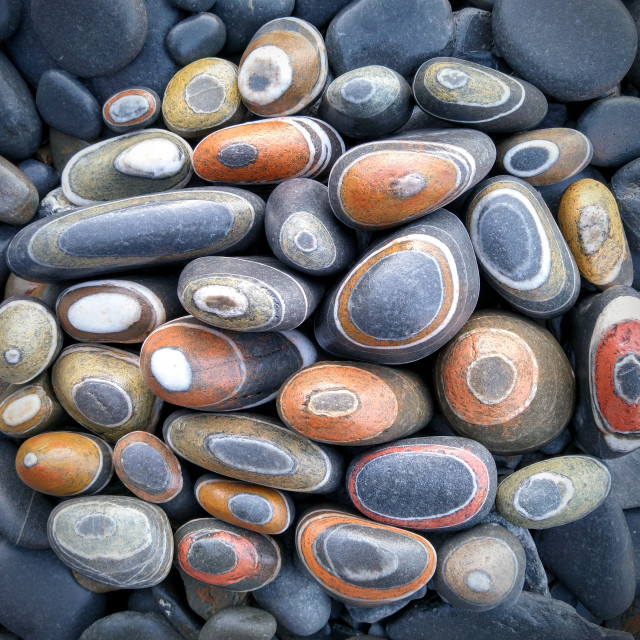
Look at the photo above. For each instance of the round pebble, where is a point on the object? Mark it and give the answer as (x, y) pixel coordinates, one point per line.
(44, 177)
(196, 37)
(20, 197)
(131, 109)
(239, 623)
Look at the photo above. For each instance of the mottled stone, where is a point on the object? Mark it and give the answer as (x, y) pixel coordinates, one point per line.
(19, 195)
(240, 623)
(131, 109)
(131, 624)
(196, 37)
(206, 600)
(54, 202)
(44, 177)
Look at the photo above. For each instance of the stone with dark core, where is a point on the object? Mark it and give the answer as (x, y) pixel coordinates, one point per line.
(131, 109)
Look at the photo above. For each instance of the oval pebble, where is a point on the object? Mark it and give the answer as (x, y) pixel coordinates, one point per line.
(255, 449)
(200, 36)
(240, 623)
(131, 109)
(20, 197)
(62, 463)
(250, 506)
(553, 492)
(360, 562)
(115, 540)
(452, 484)
(224, 555)
(47, 292)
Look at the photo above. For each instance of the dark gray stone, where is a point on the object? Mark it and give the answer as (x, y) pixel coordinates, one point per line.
(633, 6)
(193, 5)
(375, 614)
(318, 13)
(172, 603)
(184, 506)
(239, 623)
(472, 31)
(131, 624)
(625, 472)
(44, 177)
(10, 11)
(625, 185)
(200, 36)
(557, 116)
(7, 232)
(632, 517)
(552, 193)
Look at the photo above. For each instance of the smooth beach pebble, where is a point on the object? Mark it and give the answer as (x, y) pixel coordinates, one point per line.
(247, 293)
(133, 164)
(452, 483)
(590, 222)
(240, 623)
(19, 195)
(224, 555)
(62, 463)
(255, 449)
(115, 540)
(367, 102)
(353, 403)
(147, 467)
(505, 382)
(250, 506)
(131, 109)
(387, 183)
(124, 311)
(203, 97)
(553, 492)
(545, 156)
(480, 569)
(283, 69)
(194, 365)
(624, 187)
(478, 96)
(520, 249)
(28, 409)
(30, 339)
(137, 232)
(44, 177)
(142, 626)
(47, 292)
(303, 232)
(196, 37)
(362, 562)
(430, 278)
(101, 388)
(268, 151)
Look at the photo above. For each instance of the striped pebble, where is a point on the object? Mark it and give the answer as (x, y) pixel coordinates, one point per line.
(223, 555)
(283, 69)
(363, 563)
(255, 449)
(245, 505)
(520, 248)
(452, 483)
(268, 151)
(191, 364)
(430, 278)
(131, 109)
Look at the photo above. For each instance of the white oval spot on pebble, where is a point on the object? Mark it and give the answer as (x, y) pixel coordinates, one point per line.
(593, 228)
(204, 94)
(550, 150)
(13, 355)
(104, 313)
(333, 403)
(478, 581)
(30, 460)
(224, 301)
(95, 526)
(22, 410)
(171, 369)
(155, 158)
(128, 108)
(408, 185)
(452, 78)
(305, 241)
(265, 75)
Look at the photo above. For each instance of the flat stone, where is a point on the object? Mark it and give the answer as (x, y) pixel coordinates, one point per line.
(552, 193)
(64, 103)
(520, 249)
(19, 195)
(44, 177)
(374, 32)
(119, 541)
(98, 41)
(206, 600)
(131, 109)
(318, 13)
(430, 294)
(196, 37)
(253, 448)
(142, 626)
(10, 11)
(240, 623)
(567, 48)
(452, 484)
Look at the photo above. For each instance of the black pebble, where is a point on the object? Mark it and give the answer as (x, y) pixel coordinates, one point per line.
(201, 36)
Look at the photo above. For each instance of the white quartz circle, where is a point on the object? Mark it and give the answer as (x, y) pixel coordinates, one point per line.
(104, 313)
(22, 410)
(171, 369)
(221, 300)
(154, 158)
(265, 75)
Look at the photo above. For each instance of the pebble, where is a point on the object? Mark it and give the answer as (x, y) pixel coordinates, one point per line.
(224, 555)
(44, 177)
(472, 32)
(375, 614)
(240, 623)
(362, 562)
(196, 37)
(429, 273)
(191, 364)
(10, 11)
(28, 409)
(54, 202)
(247, 293)
(284, 68)
(470, 93)
(147, 467)
(7, 233)
(245, 505)
(47, 292)
(116, 540)
(194, 6)
(125, 624)
(62, 463)
(387, 183)
(590, 222)
(142, 231)
(611, 126)
(367, 102)
(63, 147)
(102, 388)
(203, 97)
(206, 600)
(172, 603)
(130, 165)
(268, 151)
(318, 13)
(624, 187)
(505, 382)
(452, 483)
(30, 339)
(303, 232)
(572, 50)
(375, 32)
(552, 193)
(520, 249)
(20, 197)
(253, 448)
(545, 156)
(131, 109)
(624, 471)
(117, 310)
(353, 403)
